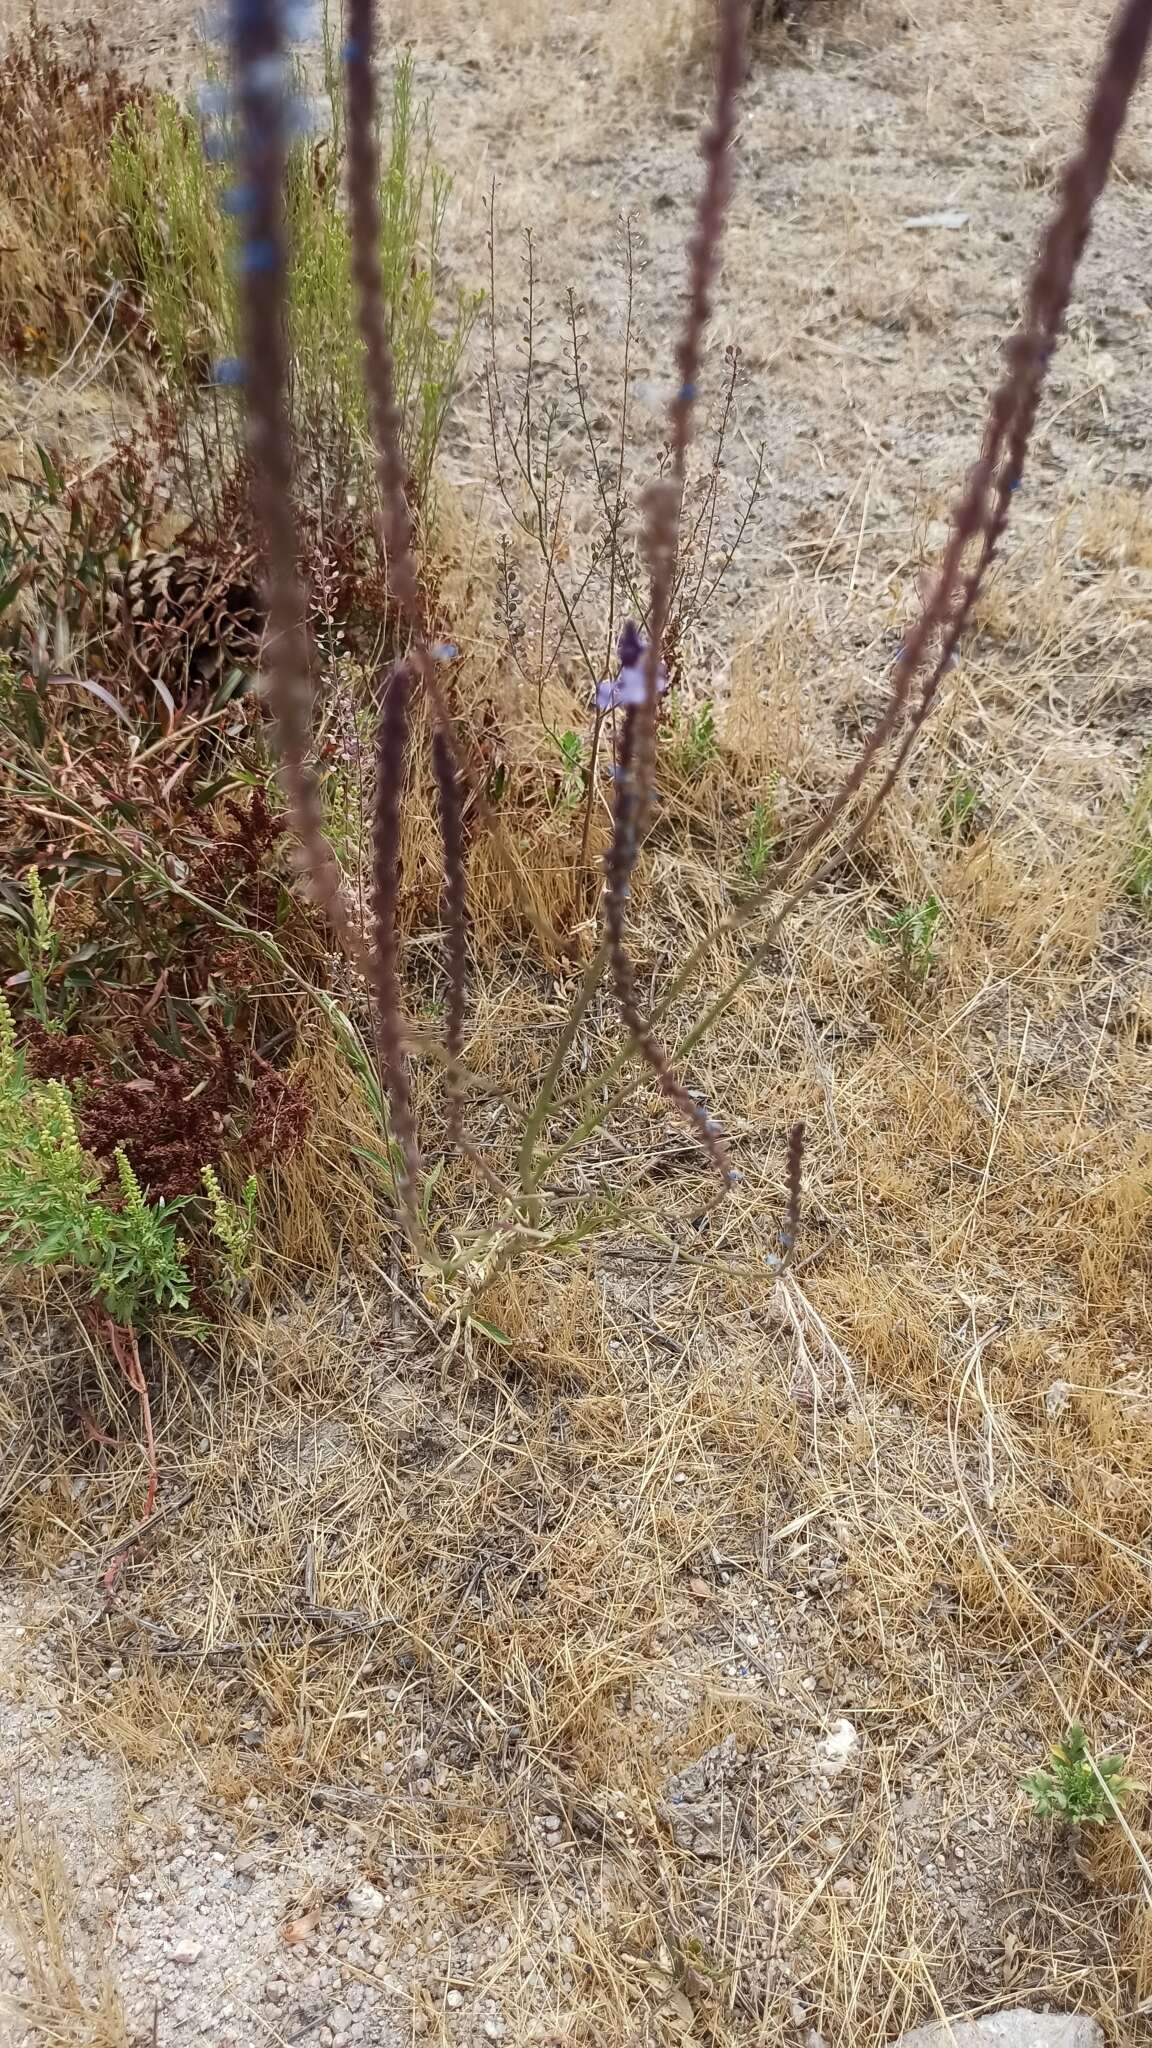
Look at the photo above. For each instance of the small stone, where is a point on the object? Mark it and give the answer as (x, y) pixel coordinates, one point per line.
(1020, 2029)
(454, 1999)
(187, 1951)
(364, 1902)
(838, 1745)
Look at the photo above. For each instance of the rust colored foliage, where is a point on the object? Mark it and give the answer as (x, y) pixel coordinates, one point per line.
(175, 1115)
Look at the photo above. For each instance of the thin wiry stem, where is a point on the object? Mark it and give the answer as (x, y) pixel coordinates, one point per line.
(391, 752)
(456, 913)
(623, 972)
(635, 767)
(259, 61)
(394, 517)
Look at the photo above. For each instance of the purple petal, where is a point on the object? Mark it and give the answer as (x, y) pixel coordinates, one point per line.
(630, 687)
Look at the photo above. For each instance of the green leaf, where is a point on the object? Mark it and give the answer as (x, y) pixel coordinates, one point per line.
(489, 1330)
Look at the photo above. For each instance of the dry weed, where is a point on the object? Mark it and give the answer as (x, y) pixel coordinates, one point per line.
(63, 1995)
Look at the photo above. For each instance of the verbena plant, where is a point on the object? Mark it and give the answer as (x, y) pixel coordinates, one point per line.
(629, 700)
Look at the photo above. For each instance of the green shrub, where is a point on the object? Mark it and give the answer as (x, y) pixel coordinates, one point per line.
(175, 255)
(50, 1211)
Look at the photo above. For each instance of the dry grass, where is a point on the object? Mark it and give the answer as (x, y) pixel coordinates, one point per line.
(59, 105)
(436, 1587)
(65, 1995)
(906, 1486)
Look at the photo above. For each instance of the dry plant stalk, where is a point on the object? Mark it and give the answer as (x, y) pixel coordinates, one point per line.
(391, 762)
(636, 760)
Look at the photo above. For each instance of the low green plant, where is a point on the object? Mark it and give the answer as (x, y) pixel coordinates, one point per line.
(913, 931)
(760, 840)
(570, 748)
(1077, 1787)
(38, 947)
(51, 1214)
(960, 812)
(699, 743)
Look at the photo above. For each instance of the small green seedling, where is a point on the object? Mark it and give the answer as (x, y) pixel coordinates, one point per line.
(913, 930)
(760, 843)
(570, 748)
(960, 814)
(700, 742)
(1076, 1787)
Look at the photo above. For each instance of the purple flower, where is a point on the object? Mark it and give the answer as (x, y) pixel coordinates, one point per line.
(628, 689)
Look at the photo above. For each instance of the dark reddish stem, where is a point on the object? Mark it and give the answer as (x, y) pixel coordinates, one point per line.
(259, 57)
(391, 765)
(456, 915)
(635, 767)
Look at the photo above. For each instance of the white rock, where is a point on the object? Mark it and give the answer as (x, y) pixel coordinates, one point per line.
(838, 1745)
(1020, 2029)
(187, 1951)
(364, 1901)
(937, 220)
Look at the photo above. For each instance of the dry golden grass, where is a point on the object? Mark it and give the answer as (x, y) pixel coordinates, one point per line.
(431, 1587)
(906, 1486)
(65, 1983)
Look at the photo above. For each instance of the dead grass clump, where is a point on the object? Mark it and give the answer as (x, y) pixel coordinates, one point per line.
(61, 1994)
(60, 104)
